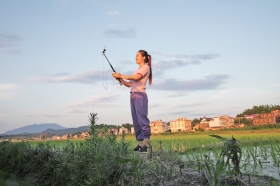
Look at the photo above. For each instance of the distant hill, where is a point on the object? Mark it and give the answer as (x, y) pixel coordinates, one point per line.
(66, 131)
(35, 128)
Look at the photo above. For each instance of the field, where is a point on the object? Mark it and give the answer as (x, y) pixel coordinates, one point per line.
(186, 141)
(183, 141)
(254, 153)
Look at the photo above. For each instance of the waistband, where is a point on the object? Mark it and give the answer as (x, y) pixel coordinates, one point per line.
(138, 92)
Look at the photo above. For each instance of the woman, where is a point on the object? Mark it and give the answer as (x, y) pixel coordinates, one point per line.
(139, 99)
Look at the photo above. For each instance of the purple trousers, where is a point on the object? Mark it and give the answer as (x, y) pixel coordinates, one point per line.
(139, 112)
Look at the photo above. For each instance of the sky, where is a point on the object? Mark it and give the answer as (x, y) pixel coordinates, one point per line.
(209, 58)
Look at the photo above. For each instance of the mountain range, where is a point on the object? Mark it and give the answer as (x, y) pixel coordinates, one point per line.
(52, 128)
(66, 131)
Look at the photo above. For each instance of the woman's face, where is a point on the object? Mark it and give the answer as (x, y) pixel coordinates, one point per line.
(139, 58)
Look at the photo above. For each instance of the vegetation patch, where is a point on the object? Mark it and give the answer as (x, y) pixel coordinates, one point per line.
(178, 159)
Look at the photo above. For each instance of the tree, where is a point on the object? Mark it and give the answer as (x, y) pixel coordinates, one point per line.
(245, 121)
(127, 125)
(259, 110)
(196, 121)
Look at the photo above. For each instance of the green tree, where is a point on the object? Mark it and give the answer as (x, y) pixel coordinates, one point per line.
(259, 110)
(196, 121)
(246, 121)
(127, 125)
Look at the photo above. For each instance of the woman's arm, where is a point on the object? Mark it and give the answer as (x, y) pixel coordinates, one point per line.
(135, 77)
(128, 84)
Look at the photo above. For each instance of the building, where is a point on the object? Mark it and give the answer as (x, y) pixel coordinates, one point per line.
(221, 121)
(226, 121)
(114, 130)
(250, 116)
(267, 118)
(201, 126)
(168, 128)
(122, 129)
(55, 137)
(181, 125)
(75, 136)
(84, 134)
(204, 124)
(65, 136)
(214, 122)
(158, 126)
(132, 130)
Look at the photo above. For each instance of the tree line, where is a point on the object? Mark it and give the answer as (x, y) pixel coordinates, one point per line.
(259, 110)
(125, 125)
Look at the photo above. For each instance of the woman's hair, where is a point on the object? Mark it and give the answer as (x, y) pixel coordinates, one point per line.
(148, 59)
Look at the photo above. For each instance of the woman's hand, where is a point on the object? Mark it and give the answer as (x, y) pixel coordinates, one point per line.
(116, 75)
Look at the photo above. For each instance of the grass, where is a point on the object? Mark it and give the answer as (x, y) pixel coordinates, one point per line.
(60, 142)
(101, 160)
(107, 159)
(182, 141)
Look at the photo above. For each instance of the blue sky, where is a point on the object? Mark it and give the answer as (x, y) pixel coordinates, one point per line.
(210, 58)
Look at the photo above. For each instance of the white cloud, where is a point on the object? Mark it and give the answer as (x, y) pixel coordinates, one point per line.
(170, 64)
(7, 87)
(75, 111)
(7, 91)
(114, 13)
(211, 82)
(116, 33)
(51, 115)
(191, 105)
(155, 105)
(177, 95)
(86, 77)
(180, 60)
(195, 56)
(206, 114)
(100, 101)
(180, 113)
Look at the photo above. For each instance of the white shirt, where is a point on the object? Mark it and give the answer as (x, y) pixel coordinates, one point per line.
(140, 85)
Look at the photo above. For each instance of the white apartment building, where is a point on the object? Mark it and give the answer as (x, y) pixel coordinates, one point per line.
(214, 122)
(221, 121)
(181, 125)
(158, 126)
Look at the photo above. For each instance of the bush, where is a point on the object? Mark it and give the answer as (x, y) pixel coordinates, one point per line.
(101, 160)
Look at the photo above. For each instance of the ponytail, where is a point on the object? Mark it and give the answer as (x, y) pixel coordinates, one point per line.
(148, 59)
(150, 65)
